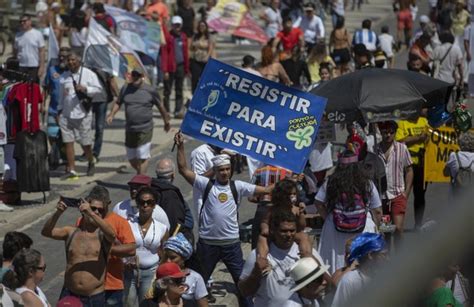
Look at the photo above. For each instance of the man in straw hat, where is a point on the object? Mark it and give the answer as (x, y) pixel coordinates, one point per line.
(218, 214)
(267, 279)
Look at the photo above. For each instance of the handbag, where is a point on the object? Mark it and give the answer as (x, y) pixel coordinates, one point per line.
(85, 100)
(437, 64)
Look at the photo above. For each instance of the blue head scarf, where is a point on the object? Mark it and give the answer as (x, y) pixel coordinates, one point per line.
(180, 245)
(366, 243)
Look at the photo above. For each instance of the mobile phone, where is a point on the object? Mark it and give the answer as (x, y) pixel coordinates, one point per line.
(71, 202)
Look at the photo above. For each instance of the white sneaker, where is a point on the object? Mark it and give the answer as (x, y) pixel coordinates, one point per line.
(5, 208)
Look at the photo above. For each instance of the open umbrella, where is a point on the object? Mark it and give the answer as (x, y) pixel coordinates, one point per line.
(375, 94)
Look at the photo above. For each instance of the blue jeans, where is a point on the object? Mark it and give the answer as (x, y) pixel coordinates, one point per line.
(97, 300)
(99, 109)
(231, 255)
(136, 284)
(114, 298)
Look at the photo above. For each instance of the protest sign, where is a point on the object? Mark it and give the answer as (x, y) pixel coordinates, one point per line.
(326, 133)
(441, 143)
(233, 17)
(136, 32)
(265, 120)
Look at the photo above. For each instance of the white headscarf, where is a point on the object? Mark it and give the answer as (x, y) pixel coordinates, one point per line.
(220, 160)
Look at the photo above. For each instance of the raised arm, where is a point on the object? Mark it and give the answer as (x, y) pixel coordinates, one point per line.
(106, 228)
(259, 190)
(183, 169)
(57, 233)
(250, 285)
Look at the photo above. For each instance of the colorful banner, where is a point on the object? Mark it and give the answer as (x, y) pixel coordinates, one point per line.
(232, 17)
(136, 32)
(104, 51)
(265, 120)
(441, 143)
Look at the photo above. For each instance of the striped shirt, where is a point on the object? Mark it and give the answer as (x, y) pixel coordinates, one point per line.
(398, 159)
(366, 37)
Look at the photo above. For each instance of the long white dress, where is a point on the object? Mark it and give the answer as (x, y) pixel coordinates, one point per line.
(332, 242)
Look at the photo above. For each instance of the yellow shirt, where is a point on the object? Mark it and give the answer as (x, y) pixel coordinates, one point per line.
(408, 128)
(459, 22)
(314, 68)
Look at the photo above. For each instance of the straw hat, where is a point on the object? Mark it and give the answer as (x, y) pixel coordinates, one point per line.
(305, 271)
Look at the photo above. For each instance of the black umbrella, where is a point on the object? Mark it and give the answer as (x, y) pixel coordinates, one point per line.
(375, 94)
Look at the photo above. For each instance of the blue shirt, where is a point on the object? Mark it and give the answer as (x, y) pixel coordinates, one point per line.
(51, 82)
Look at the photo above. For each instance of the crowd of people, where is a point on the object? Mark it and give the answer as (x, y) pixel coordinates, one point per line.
(143, 251)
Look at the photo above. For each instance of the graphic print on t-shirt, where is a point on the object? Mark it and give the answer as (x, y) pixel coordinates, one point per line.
(222, 197)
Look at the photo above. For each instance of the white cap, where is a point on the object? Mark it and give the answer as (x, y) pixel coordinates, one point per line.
(305, 271)
(176, 20)
(55, 5)
(220, 160)
(41, 6)
(424, 19)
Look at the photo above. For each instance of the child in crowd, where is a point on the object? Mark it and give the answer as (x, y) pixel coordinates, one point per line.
(284, 197)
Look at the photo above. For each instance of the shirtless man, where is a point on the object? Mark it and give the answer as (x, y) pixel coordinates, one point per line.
(87, 248)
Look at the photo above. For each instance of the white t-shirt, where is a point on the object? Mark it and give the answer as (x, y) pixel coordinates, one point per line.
(320, 157)
(201, 159)
(3, 125)
(68, 102)
(147, 247)
(219, 215)
(313, 29)
(449, 64)
(274, 25)
(466, 159)
(126, 210)
(386, 44)
(196, 287)
(349, 285)
(27, 45)
(275, 287)
(300, 302)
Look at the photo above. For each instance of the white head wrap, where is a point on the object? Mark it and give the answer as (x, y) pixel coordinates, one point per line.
(220, 160)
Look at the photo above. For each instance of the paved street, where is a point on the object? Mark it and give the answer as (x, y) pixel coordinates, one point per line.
(113, 171)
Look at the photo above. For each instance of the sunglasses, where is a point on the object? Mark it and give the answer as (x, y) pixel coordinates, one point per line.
(98, 210)
(148, 202)
(23, 20)
(41, 268)
(177, 281)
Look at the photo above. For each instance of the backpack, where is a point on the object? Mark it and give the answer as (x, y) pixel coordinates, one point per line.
(350, 217)
(104, 81)
(208, 188)
(463, 178)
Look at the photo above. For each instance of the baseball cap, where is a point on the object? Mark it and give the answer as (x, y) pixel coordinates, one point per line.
(69, 301)
(141, 180)
(309, 7)
(177, 20)
(169, 269)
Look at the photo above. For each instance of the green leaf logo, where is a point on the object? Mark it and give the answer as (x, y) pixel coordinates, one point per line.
(301, 137)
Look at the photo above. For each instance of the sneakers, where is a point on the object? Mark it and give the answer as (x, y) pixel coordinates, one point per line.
(71, 175)
(91, 167)
(5, 208)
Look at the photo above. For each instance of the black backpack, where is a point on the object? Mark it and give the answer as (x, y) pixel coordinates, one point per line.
(208, 188)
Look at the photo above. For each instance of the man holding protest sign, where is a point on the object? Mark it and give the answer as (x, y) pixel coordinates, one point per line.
(218, 214)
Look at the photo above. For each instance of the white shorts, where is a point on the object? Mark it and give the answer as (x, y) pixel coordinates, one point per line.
(76, 129)
(141, 152)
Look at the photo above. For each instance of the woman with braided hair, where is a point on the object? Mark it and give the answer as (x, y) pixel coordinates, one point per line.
(344, 201)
